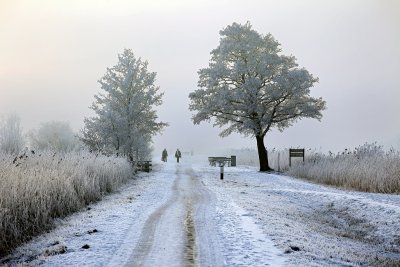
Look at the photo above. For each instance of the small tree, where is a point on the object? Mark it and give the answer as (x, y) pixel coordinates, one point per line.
(54, 135)
(250, 87)
(125, 117)
(12, 140)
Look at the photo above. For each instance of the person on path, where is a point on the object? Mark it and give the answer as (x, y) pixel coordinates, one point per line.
(178, 155)
(164, 155)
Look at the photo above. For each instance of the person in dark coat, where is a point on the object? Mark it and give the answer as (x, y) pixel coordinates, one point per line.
(164, 155)
(178, 155)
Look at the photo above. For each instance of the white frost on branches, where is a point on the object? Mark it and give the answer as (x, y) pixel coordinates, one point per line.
(125, 118)
(250, 87)
(55, 136)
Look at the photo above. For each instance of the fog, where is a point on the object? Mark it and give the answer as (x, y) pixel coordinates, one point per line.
(53, 52)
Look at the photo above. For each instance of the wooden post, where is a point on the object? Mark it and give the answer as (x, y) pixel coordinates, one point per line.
(279, 169)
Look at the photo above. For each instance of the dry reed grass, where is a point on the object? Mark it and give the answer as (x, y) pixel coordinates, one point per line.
(35, 189)
(367, 168)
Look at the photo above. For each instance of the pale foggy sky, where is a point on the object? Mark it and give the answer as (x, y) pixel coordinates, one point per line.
(52, 52)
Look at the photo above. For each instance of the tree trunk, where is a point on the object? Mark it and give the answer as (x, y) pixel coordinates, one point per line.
(262, 155)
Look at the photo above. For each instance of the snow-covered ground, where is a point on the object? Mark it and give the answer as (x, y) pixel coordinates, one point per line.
(184, 215)
(313, 224)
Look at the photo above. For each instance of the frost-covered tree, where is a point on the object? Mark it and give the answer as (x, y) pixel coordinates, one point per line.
(12, 140)
(54, 135)
(125, 118)
(250, 87)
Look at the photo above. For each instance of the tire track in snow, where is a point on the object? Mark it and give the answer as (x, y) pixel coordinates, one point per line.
(208, 250)
(148, 237)
(190, 251)
(178, 232)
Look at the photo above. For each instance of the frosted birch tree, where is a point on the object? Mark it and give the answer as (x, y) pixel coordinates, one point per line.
(125, 118)
(250, 87)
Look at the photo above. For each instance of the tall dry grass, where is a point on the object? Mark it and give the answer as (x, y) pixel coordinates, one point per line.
(366, 168)
(35, 189)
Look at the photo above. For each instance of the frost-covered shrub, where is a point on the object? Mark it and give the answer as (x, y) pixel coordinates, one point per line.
(54, 135)
(36, 188)
(367, 168)
(12, 140)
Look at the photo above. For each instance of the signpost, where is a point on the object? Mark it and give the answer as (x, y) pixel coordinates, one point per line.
(221, 161)
(221, 169)
(299, 153)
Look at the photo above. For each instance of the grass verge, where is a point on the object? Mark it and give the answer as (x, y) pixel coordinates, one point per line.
(37, 188)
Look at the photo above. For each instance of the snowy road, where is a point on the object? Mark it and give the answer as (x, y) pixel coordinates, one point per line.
(187, 229)
(169, 234)
(184, 215)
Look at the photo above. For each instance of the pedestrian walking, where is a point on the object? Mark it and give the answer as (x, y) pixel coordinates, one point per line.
(178, 155)
(164, 155)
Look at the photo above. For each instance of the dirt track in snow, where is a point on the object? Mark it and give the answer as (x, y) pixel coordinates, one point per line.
(169, 235)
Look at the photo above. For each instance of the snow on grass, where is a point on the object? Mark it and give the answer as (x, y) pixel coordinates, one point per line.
(244, 242)
(366, 168)
(259, 219)
(315, 225)
(110, 228)
(37, 188)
